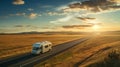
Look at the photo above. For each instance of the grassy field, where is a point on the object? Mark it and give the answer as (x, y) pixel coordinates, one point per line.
(112, 59)
(18, 44)
(86, 53)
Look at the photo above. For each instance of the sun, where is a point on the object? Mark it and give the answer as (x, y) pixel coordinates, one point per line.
(96, 27)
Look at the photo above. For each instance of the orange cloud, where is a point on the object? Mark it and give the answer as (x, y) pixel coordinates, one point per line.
(32, 15)
(18, 2)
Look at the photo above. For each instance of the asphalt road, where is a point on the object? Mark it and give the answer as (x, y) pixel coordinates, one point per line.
(29, 60)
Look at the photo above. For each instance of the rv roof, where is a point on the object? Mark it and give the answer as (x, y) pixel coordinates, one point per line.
(38, 43)
(42, 42)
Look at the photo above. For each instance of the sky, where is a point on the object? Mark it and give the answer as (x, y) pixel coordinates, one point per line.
(59, 15)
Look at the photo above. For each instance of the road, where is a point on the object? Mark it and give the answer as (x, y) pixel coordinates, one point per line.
(29, 60)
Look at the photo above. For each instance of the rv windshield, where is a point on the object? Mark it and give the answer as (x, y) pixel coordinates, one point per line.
(36, 48)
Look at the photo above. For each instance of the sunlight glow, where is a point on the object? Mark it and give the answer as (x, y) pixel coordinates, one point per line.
(96, 27)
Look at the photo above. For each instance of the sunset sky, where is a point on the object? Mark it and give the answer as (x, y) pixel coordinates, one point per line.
(59, 15)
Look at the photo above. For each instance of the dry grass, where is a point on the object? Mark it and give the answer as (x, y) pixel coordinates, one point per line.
(81, 52)
(112, 59)
(101, 54)
(18, 44)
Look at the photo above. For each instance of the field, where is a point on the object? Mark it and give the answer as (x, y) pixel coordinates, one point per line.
(85, 54)
(11, 45)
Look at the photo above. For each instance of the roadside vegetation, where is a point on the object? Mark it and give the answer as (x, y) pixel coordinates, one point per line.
(111, 60)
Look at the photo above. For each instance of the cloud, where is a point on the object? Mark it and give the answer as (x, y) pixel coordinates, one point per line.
(90, 20)
(77, 26)
(85, 18)
(52, 13)
(118, 1)
(93, 5)
(20, 14)
(22, 25)
(30, 9)
(65, 19)
(57, 13)
(25, 26)
(19, 26)
(18, 2)
(32, 15)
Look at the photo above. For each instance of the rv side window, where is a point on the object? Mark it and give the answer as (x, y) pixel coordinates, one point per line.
(46, 46)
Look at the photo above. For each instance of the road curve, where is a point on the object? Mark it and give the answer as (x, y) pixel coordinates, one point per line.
(29, 60)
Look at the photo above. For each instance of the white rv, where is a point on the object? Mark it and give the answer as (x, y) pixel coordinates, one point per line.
(41, 47)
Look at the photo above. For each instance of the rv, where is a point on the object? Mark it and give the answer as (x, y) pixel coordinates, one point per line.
(41, 47)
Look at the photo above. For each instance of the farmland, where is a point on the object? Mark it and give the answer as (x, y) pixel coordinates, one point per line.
(88, 52)
(16, 44)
